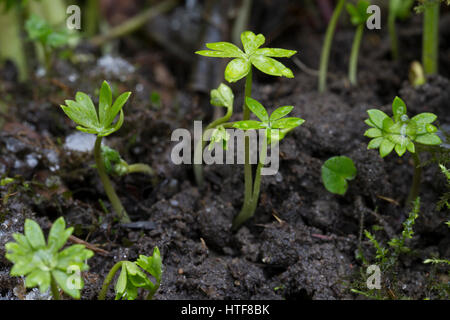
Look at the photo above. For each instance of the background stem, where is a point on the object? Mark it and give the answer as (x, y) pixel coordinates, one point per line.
(107, 184)
(353, 68)
(108, 279)
(325, 56)
(393, 32)
(430, 41)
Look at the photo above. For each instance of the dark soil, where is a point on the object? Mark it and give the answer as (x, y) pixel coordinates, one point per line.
(302, 241)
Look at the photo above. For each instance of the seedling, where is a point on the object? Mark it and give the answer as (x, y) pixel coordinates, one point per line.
(398, 9)
(43, 264)
(358, 17)
(336, 171)
(326, 48)
(400, 133)
(41, 32)
(115, 165)
(220, 97)
(132, 277)
(387, 258)
(83, 112)
(276, 127)
(240, 67)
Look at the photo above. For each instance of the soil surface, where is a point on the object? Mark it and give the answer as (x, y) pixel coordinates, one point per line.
(302, 241)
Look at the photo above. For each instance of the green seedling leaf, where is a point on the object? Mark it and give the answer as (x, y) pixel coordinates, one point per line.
(83, 112)
(241, 65)
(276, 126)
(132, 278)
(400, 133)
(336, 171)
(219, 135)
(222, 96)
(43, 263)
(358, 14)
(257, 109)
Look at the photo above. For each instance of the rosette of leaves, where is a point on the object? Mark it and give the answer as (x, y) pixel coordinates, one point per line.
(260, 58)
(132, 277)
(400, 133)
(276, 125)
(42, 263)
(82, 111)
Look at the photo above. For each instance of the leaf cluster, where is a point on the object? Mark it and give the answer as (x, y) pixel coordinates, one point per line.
(400, 132)
(41, 262)
(39, 30)
(261, 58)
(276, 125)
(132, 277)
(82, 111)
(358, 13)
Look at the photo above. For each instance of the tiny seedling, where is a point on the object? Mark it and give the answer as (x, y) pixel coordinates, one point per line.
(326, 48)
(238, 68)
(43, 264)
(336, 171)
(387, 258)
(444, 201)
(276, 127)
(115, 165)
(220, 97)
(358, 17)
(41, 32)
(400, 133)
(82, 111)
(398, 9)
(132, 277)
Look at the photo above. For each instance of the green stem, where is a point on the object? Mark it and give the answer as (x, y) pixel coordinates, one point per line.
(248, 174)
(92, 17)
(430, 41)
(143, 168)
(198, 168)
(107, 184)
(248, 211)
(54, 289)
(108, 279)
(415, 187)
(352, 71)
(152, 292)
(135, 22)
(325, 56)
(393, 33)
(11, 46)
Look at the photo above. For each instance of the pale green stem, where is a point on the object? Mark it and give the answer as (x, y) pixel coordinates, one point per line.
(143, 168)
(107, 184)
(393, 34)
(198, 168)
(248, 211)
(325, 56)
(108, 279)
(353, 68)
(430, 41)
(415, 187)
